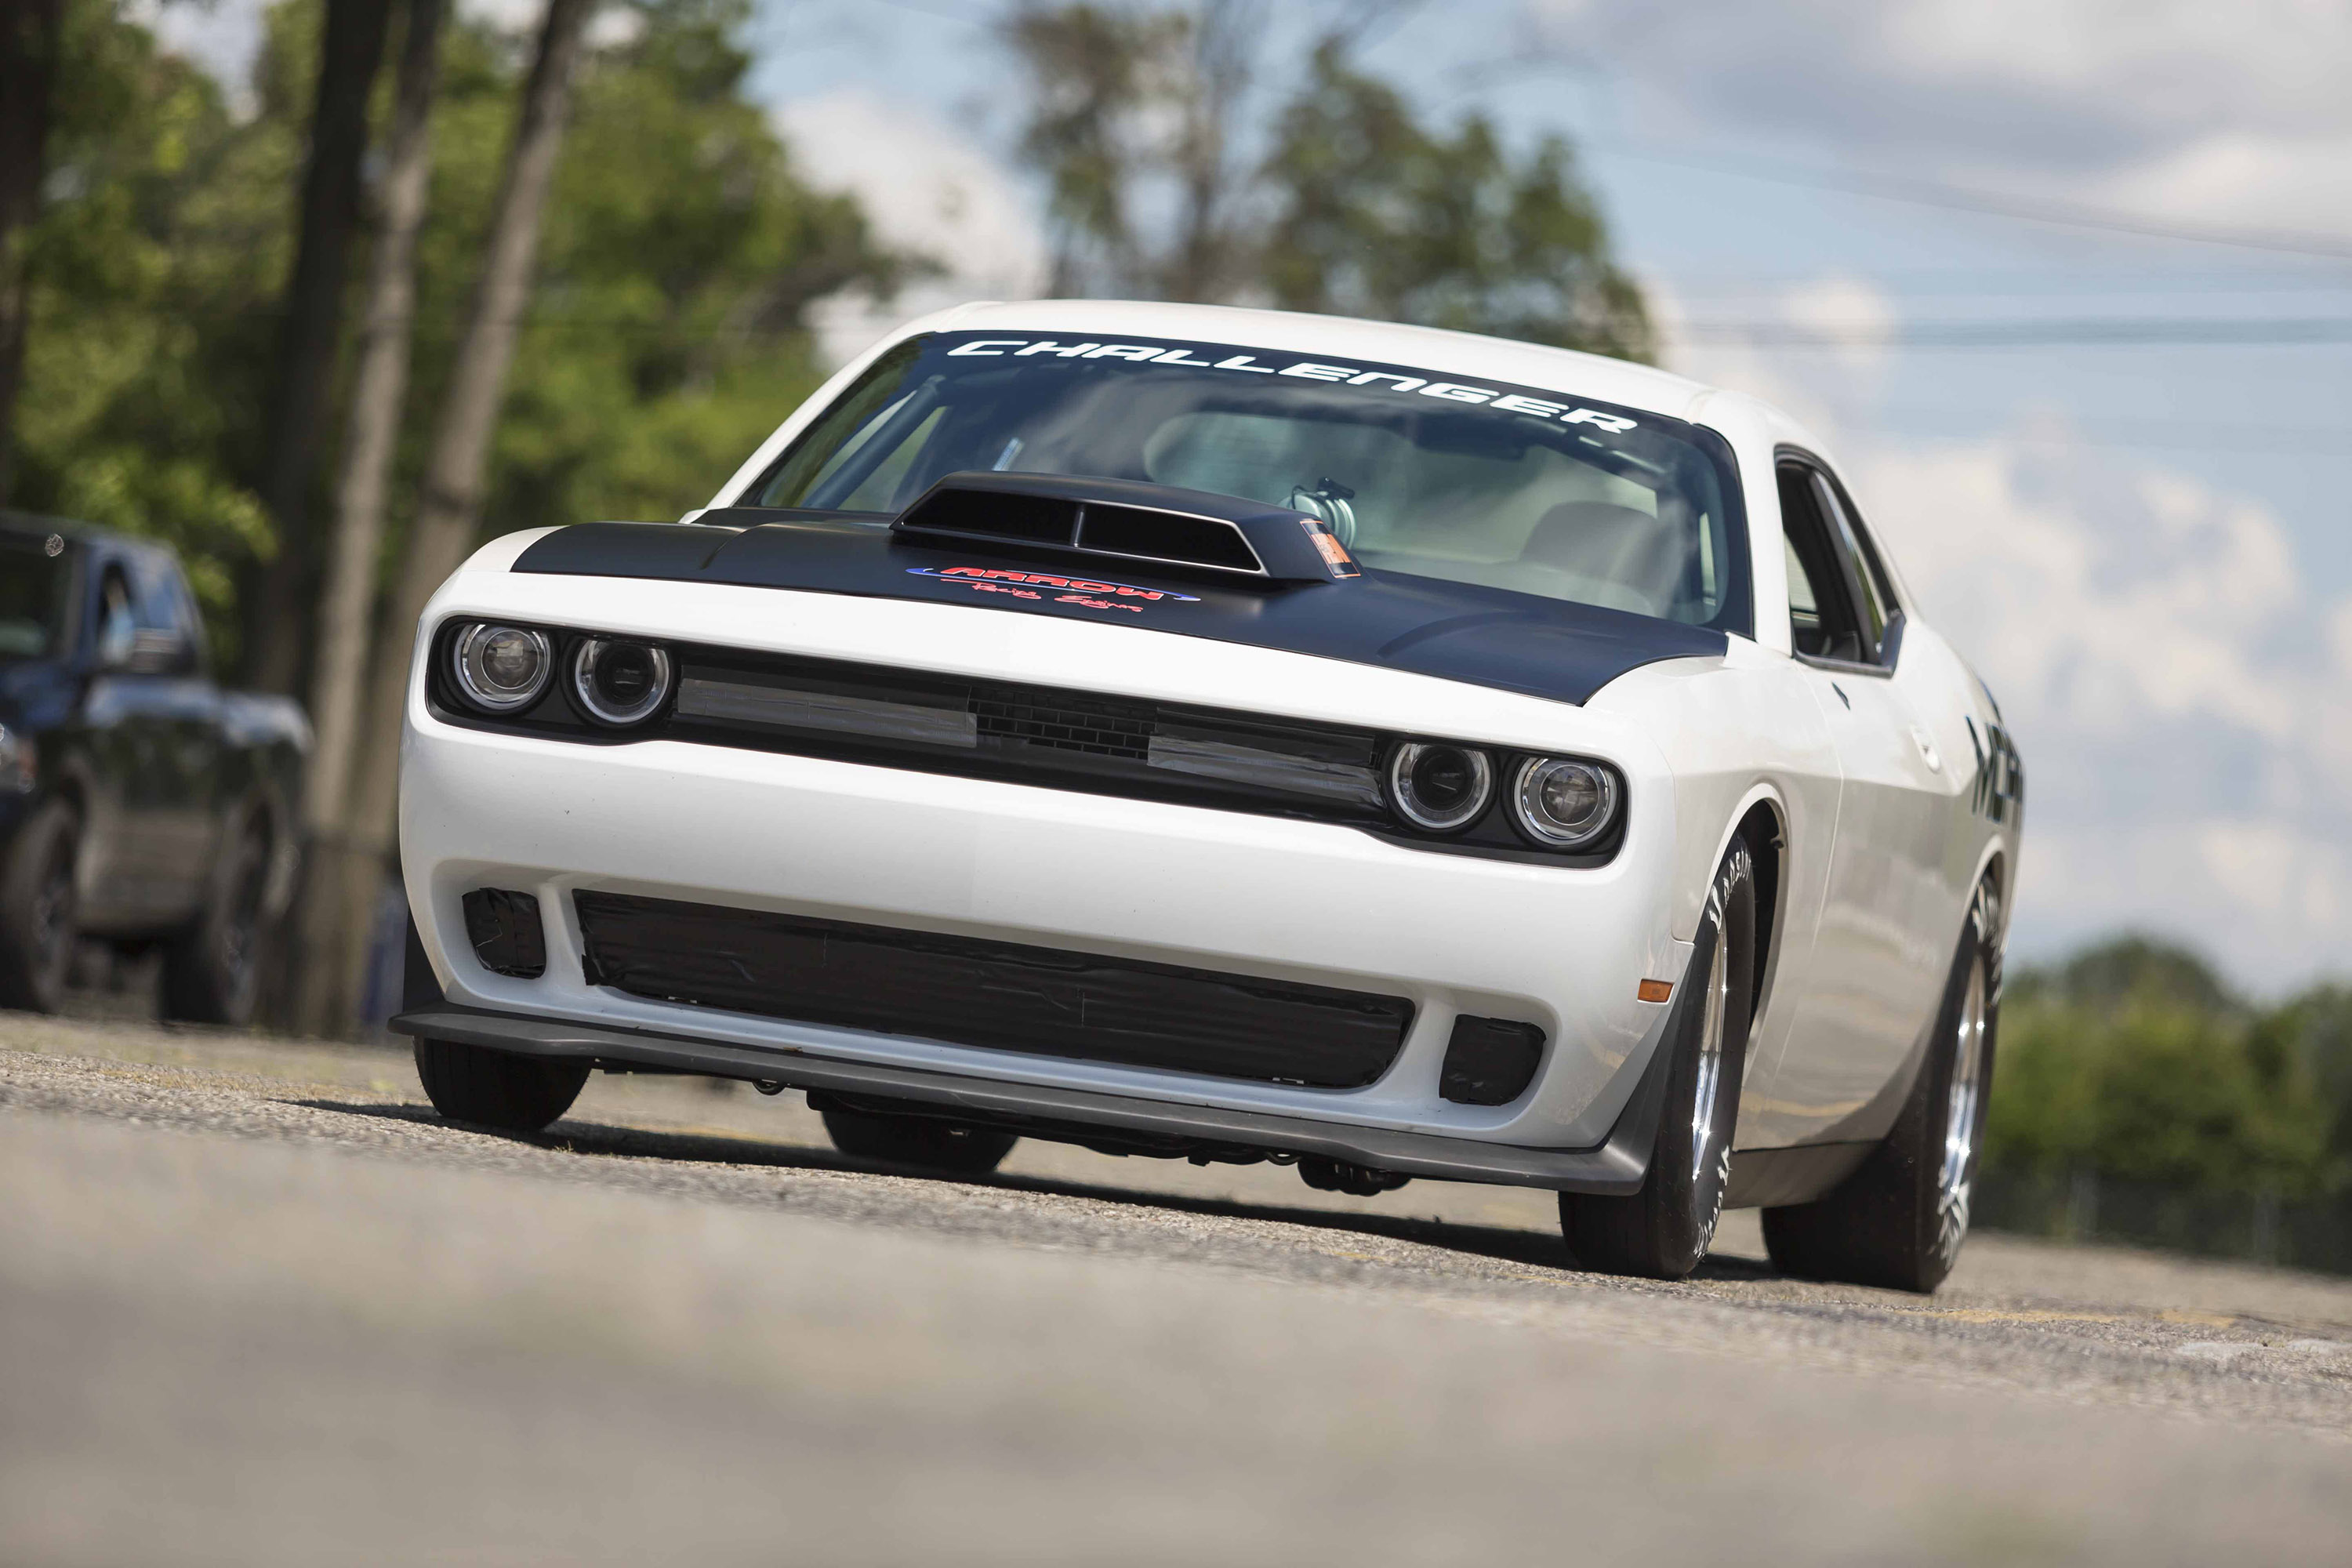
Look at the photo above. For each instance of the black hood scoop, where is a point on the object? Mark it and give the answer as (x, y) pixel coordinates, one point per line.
(999, 542)
(1129, 521)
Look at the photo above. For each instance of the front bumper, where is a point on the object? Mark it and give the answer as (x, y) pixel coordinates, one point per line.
(1560, 947)
(1617, 1165)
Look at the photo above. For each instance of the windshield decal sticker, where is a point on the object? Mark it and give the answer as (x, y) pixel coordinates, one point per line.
(1091, 592)
(1305, 370)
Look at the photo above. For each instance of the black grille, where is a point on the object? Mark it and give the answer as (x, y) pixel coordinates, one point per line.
(1003, 995)
(1066, 723)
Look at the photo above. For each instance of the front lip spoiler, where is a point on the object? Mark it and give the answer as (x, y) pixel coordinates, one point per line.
(1616, 1167)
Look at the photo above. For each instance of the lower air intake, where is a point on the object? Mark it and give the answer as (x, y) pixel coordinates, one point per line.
(1000, 996)
(1489, 1061)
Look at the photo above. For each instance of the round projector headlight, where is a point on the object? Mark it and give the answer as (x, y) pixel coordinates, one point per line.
(620, 683)
(501, 669)
(1563, 804)
(1439, 788)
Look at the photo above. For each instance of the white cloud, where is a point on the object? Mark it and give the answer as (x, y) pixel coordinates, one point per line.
(2184, 705)
(2235, 110)
(2151, 643)
(1852, 312)
(926, 188)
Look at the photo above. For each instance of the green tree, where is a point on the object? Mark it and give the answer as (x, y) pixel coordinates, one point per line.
(669, 336)
(154, 270)
(1380, 216)
(1137, 118)
(2133, 1061)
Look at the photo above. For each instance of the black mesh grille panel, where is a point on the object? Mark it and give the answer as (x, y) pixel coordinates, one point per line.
(1003, 995)
(1066, 723)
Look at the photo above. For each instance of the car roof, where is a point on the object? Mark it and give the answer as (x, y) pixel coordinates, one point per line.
(1596, 377)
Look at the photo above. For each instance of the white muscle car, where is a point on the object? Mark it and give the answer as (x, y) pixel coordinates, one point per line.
(1228, 735)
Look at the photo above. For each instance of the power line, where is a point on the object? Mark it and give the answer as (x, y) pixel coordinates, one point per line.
(1998, 204)
(2285, 443)
(2089, 332)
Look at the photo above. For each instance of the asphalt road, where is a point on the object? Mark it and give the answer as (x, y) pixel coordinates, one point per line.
(260, 1305)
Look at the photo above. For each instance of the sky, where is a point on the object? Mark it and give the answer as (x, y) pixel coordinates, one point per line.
(2111, 454)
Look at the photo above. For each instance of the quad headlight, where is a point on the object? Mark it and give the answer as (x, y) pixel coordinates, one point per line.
(501, 669)
(1440, 787)
(618, 681)
(1563, 804)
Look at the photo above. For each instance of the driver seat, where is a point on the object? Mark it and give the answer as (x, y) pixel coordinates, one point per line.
(1612, 544)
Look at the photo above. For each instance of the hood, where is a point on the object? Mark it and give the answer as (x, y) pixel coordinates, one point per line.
(1454, 631)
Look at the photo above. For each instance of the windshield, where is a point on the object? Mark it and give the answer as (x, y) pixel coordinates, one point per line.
(34, 581)
(1486, 484)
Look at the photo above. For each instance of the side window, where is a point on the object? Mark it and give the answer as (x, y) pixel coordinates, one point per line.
(1875, 595)
(118, 628)
(1822, 623)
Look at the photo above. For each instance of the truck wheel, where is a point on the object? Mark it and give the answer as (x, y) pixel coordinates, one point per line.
(498, 1088)
(38, 901)
(1898, 1222)
(212, 968)
(1663, 1231)
(919, 1141)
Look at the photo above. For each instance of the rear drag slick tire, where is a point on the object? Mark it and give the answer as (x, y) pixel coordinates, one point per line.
(1898, 1222)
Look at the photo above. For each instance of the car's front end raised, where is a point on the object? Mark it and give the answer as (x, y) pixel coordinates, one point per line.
(1171, 744)
(1076, 859)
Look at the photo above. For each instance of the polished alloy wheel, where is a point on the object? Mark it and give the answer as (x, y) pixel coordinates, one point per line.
(1710, 1061)
(1961, 1119)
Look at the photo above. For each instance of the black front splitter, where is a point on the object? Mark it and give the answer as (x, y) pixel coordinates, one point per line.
(1615, 1166)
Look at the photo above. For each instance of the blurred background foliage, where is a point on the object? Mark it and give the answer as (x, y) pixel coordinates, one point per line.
(670, 328)
(668, 336)
(2133, 1061)
(1180, 162)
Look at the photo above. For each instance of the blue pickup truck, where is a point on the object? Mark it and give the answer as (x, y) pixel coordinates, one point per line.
(140, 804)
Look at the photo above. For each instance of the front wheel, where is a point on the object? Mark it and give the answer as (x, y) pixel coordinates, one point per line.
(39, 905)
(1898, 1222)
(498, 1088)
(1663, 1231)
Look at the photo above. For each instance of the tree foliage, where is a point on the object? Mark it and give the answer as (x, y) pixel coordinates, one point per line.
(1350, 205)
(1382, 217)
(2132, 1059)
(668, 335)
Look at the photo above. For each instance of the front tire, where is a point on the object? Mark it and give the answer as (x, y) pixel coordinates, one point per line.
(922, 1142)
(39, 905)
(498, 1088)
(1899, 1221)
(1663, 1231)
(211, 970)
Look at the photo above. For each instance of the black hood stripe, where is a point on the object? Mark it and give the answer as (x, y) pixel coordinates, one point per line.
(1454, 631)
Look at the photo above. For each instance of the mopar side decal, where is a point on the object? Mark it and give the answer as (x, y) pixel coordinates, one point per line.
(1091, 592)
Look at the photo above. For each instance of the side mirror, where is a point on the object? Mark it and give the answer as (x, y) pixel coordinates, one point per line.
(159, 651)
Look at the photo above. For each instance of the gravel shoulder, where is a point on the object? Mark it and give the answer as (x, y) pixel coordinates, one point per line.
(258, 1303)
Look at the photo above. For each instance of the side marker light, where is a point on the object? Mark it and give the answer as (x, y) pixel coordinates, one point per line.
(1656, 990)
